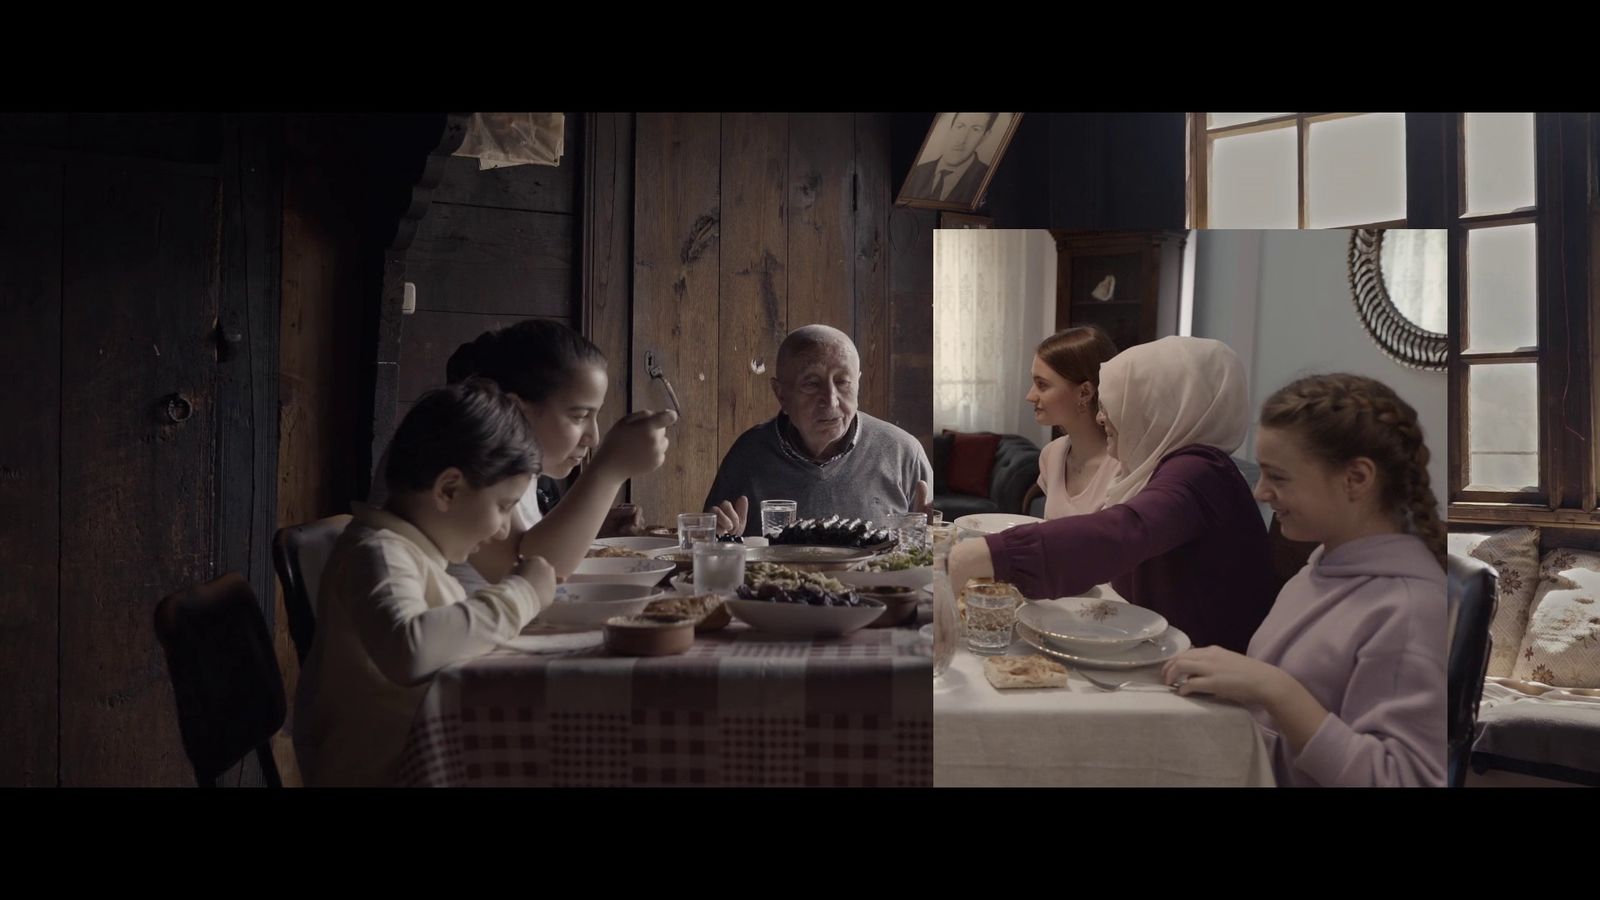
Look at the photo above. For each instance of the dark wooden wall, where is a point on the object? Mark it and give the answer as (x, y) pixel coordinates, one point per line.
(130, 246)
(496, 246)
(702, 237)
(729, 230)
(1098, 171)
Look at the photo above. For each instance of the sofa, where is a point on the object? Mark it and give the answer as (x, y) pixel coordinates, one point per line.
(1539, 712)
(1013, 469)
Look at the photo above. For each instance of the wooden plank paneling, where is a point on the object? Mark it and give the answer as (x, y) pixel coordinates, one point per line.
(535, 188)
(821, 228)
(318, 378)
(179, 137)
(1077, 173)
(479, 260)
(911, 319)
(140, 300)
(608, 252)
(1144, 166)
(436, 140)
(247, 387)
(752, 319)
(30, 476)
(430, 339)
(323, 284)
(873, 329)
(676, 274)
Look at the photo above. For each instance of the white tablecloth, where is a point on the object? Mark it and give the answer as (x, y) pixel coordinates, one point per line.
(1081, 736)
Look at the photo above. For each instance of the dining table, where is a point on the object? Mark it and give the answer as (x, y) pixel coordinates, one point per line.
(741, 707)
(1142, 734)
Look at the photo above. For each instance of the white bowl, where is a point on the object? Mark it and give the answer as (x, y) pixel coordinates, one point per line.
(590, 604)
(637, 544)
(803, 620)
(911, 578)
(643, 572)
(1092, 625)
(992, 523)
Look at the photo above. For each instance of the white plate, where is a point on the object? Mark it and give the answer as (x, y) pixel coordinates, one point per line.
(637, 544)
(803, 620)
(1091, 625)
(911, 578)
(1166, 647)
(808, 556)
(643, 572)
(589, 605)
(754, 541)
(992, 523)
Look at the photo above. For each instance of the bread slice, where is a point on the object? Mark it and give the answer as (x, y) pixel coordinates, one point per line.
(708, 610)
(1008, 672)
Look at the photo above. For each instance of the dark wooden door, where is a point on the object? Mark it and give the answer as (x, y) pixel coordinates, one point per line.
(139, 307)
(138, 455)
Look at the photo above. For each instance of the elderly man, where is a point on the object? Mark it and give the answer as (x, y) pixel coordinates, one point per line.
(820, 451)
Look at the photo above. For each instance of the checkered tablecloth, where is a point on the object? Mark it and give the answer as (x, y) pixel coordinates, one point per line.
(740, 708)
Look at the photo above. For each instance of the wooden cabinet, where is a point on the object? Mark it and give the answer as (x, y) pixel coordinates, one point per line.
(1127, 282)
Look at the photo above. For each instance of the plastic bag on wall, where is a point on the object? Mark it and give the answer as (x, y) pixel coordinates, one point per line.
(514, 139)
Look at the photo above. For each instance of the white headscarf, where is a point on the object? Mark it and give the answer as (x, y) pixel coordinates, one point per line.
(1169, 394)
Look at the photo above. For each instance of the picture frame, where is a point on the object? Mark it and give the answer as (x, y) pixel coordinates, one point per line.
(964, 220)
(957, 161)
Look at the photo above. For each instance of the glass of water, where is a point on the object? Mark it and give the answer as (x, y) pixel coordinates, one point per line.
(696, 527)
(777, 515)
(911, 530)
(991, 613)
(718, 567)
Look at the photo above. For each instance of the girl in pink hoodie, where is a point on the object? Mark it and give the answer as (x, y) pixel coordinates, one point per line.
(1347, 673)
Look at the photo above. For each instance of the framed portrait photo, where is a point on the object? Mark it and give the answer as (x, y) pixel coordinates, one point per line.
(957, 160)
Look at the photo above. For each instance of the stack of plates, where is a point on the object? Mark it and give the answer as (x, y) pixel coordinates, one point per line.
(980, 524)
(1099, 634)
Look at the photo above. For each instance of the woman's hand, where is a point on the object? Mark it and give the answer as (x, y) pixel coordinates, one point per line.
(968, 560)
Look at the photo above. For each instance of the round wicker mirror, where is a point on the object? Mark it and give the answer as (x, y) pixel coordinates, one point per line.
(1395, 306)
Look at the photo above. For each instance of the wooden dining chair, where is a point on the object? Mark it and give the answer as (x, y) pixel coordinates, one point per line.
(225, 677)
(299, 553)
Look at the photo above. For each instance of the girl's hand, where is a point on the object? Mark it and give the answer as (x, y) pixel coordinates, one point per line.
(1223, 673)
(636, 445)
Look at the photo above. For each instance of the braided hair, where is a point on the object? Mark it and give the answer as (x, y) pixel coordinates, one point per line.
(1342, 417)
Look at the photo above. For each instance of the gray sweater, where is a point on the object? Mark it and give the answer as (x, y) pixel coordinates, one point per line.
(874, 478)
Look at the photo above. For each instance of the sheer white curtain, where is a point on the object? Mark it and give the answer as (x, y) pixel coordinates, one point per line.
(993, 301)
(1414, 271)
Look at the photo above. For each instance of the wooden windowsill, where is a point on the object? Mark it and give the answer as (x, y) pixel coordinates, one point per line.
(1520, 514)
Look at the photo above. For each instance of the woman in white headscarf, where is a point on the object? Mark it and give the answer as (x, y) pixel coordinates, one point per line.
(1180, 532)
